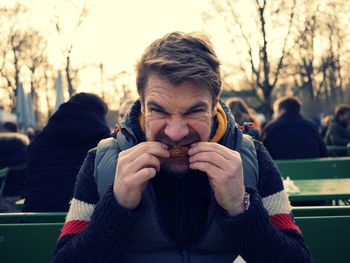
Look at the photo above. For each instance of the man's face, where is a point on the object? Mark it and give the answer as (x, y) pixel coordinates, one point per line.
(177, 116)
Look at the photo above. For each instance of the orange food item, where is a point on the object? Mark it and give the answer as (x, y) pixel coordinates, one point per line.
(178, 151)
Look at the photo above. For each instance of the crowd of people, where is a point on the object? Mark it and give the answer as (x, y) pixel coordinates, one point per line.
(179, 168)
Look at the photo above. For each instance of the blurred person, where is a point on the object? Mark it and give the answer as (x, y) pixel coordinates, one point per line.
(123, 109)
(245, 117)
(325, 121)
(30, 131)
(9, 127)
(338, 132)
(179, 182)
(56, 154)
(13, 153)
(289, 135)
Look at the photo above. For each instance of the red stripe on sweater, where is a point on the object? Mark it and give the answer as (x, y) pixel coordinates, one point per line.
(73, 227)
(284, 221)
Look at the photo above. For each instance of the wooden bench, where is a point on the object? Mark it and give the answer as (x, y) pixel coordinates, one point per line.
(328, 237)
(32, 242)
(315, 168)
(48, 217)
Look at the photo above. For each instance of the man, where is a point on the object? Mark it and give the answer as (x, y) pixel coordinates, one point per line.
(290, 135)
(186, 185)
(338, 132)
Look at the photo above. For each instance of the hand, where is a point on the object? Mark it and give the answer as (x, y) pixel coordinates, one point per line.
(225, 172)
(135, 167)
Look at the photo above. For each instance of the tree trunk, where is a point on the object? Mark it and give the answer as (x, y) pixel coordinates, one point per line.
(71, 90)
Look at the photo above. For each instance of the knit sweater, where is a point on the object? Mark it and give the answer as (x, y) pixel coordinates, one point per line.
(264, 233)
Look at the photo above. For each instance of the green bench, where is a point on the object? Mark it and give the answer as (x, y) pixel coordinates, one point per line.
(315, 168)
(49, 217)
(302, 211)
(338, 150)
(328, 237)
(28, 242)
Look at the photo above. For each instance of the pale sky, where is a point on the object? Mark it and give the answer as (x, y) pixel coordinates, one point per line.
(116, 31)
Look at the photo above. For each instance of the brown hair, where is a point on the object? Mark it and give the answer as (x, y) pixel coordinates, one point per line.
(341, 109)
(242, 112)
(288, 103)
(179, 57)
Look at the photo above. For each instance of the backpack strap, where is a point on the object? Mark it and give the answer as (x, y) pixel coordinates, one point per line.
(250, 162)
(106, 160)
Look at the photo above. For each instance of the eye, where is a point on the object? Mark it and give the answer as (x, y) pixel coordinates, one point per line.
(157, 110)
(195, 111)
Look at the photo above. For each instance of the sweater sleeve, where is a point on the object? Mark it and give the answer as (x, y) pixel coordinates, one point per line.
(266, 232)
(94, 227)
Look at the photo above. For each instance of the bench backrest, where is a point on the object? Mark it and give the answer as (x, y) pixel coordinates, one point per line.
(328, 237)
(28, 242)
(316, 168)
(48, 217)
(301, 211)
(338, 150)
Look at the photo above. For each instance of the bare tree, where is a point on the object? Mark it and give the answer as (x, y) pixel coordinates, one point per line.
(331, 66)
(37, 62)
(14, 43)
(264, 68)
(70, 71)
(316, 60)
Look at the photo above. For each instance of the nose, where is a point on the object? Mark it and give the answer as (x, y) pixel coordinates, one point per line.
(176, 129)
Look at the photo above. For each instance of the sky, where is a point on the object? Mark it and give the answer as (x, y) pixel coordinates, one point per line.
(115, 32)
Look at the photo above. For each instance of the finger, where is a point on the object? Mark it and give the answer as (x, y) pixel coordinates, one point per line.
(210, 157)
(139, 178)
(145, 160)
(211, 147)
(155, 148)
(207, 168)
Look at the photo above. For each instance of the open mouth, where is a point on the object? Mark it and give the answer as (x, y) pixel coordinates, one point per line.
(179, 151)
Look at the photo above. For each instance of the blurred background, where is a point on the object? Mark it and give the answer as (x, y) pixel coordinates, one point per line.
(50, 50)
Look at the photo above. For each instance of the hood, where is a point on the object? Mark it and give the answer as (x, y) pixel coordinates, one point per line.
(74, 124)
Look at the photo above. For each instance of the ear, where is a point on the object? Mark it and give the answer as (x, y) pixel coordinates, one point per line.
(142, 107)
(215, 104)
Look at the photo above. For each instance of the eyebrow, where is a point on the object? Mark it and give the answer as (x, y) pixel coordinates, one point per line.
(200, 104)
(154, 105)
